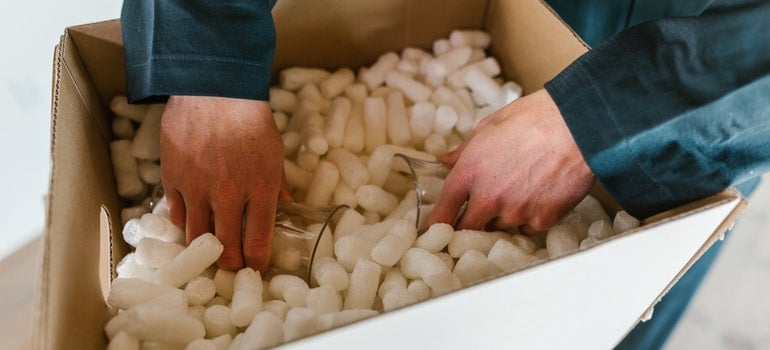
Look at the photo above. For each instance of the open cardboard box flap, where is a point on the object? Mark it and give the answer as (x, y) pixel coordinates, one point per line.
(600, 292)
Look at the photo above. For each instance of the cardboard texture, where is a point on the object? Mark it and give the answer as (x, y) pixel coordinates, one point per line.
(602, 291)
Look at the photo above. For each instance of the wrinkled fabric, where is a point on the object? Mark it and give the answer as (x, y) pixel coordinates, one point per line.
(673, 110)
(197, 47)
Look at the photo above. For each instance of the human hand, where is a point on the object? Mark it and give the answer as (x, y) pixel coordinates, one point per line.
(223, 158)
(520, 167)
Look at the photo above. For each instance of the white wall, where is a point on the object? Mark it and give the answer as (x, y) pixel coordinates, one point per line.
(29, 30)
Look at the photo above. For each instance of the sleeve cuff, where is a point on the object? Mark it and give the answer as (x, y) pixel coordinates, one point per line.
(163, 76)
(612, 155)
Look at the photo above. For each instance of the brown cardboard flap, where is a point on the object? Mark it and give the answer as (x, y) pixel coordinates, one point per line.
(315, 34)
(529, 41)
(73, 310)
(103, 44)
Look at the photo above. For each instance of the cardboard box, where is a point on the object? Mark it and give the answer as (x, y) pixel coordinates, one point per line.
(585, 300)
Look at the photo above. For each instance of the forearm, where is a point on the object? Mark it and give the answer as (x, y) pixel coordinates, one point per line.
(197, 47)
(673, 110)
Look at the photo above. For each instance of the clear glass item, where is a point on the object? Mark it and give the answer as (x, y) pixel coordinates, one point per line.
(299, 232)
(302, 234)
(428, 178)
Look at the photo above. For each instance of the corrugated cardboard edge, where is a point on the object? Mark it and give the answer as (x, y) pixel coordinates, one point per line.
(574, 34)
(107, 263)
(108, 82)
(41, 303)
(68, 70)
(718, 234)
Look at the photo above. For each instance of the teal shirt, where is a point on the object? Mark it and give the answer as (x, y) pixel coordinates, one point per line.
(676, 109)
(597, 20)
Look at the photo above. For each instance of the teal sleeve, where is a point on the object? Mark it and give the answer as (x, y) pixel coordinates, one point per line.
(197, 47)
(674, 110)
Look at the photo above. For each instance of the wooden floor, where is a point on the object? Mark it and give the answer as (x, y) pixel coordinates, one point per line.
(19, 275)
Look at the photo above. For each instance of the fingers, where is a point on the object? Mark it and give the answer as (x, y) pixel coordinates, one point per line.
(528, 230)
(505, 222)
(452, 197)
(477, 215)
(258, 236)
(227, 221)
(198, 218)
(176, 208)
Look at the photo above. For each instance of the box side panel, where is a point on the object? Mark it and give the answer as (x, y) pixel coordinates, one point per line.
(74, 309)
(328, 35)
(531, 42)
(718, 234)
(99, 50)
(601, 291)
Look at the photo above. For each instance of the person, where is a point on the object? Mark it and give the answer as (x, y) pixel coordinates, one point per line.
(661, 113)
(221, 152)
